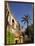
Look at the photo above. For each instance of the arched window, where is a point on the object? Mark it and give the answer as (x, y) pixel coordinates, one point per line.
(12, 23)
(12, 20)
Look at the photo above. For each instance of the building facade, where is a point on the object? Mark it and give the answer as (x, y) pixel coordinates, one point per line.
(13, 26)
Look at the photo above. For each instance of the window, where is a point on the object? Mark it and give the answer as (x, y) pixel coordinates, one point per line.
(12, 20)
(12, 23)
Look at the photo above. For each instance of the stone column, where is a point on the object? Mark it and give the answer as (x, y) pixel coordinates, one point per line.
(21, 39)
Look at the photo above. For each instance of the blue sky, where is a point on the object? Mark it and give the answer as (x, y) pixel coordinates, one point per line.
(21, 9)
